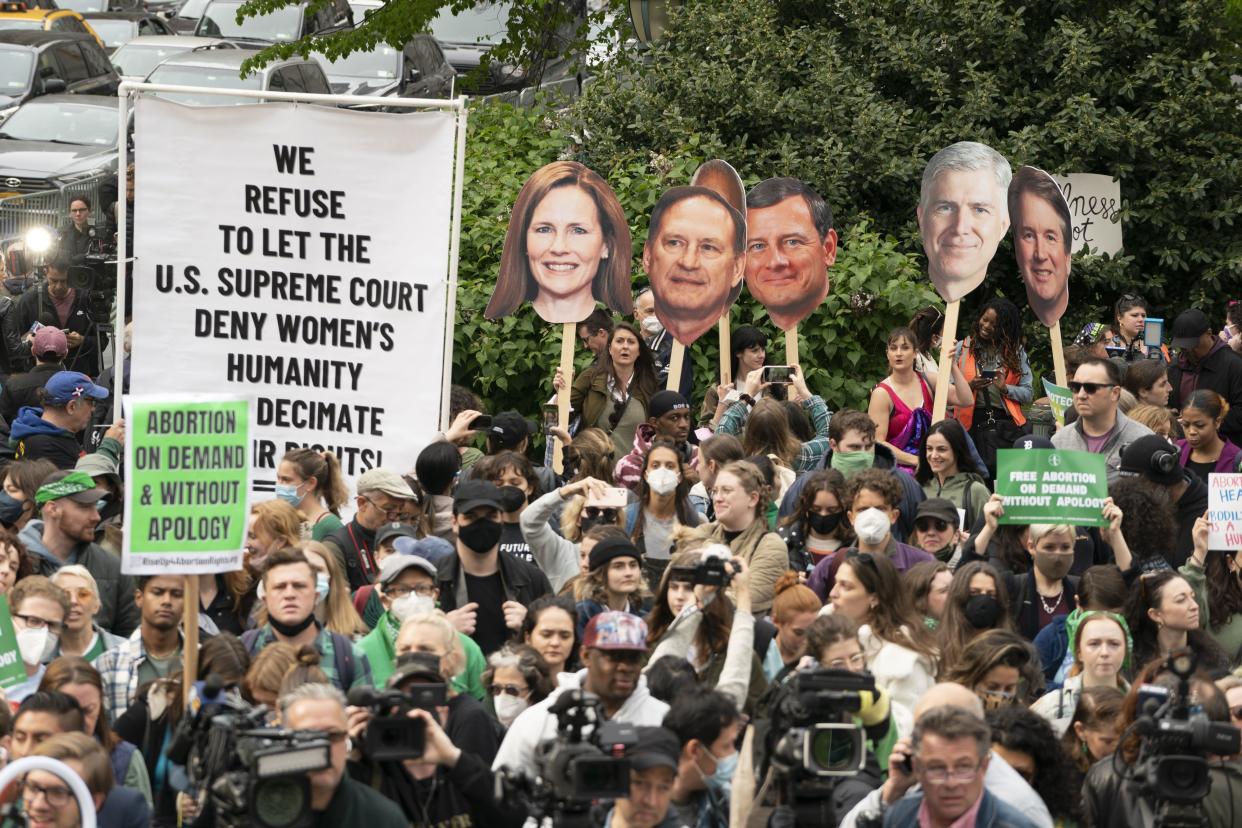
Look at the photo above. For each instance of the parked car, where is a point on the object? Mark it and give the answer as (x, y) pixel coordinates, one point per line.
(470, 34)
(19, 16)
(84, 6)
(118, 28)
(285, 24)
(220, 69)
(184, 18)
(420, 70)
(44, 63)
(361, 7)
(135, 60)
(57, 140)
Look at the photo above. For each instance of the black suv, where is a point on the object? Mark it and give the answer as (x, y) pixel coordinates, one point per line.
(34, 63)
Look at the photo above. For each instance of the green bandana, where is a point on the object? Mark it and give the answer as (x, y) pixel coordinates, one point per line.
(73, 483)
(391, 626)
(849, 462)
(1074, 622)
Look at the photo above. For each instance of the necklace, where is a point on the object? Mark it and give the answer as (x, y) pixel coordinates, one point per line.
(1048, 610)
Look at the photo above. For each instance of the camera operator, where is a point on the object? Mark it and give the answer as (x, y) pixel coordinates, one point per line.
(76, 235)
(612, 650)
(53, 302)
(653, 774)
(707, 726)
(444, 785)
(336, 799)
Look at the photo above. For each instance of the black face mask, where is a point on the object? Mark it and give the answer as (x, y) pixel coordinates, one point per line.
(291, 630)
(481, 536)
(824, 524)
(511, 498)
(982, 611)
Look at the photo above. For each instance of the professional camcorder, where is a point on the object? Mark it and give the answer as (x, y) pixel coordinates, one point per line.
(391, 734)
(576, 769)
(255, 775)
(1177, 739)
(710, 570)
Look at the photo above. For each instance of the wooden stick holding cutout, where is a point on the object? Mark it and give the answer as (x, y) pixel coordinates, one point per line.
(568, 335)
(726, 351)
(948, 341)
(1058, 354)
(791, 346)
(189, 628)
(675, 361)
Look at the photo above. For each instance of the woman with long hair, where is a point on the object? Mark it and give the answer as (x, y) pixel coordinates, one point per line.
(663, 506)
(1093, 730)
(614, 581)
(1216, 578)
(1163, 616)
(793, 611)
(1204, 449)
(1158, 418)
(1000, 667)
(899, 650)
(740, 497)
(998, 376)
(273, 525)
(550, 627)
(311, 482)
(516, 678)
(1100, 589)
(15, 561)
(1029, 746)
(1148, 381)
(764, 426)
(818, 525)
(978, 601)
(589, 453)
(947, 469)
(929, 582)
(22, 480)
(612, 394)
(901, 403)
(227, 598)
(1100, 642)
(750, 351)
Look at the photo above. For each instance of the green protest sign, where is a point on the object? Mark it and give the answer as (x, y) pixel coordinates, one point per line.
(1060, 400)
(1052, 486)
(188, 484)
(12, 670)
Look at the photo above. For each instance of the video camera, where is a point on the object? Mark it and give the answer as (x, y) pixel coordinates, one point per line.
(710, 569)
(391, 734)
(1172, 767)
(256, 775)
(575, 769)
(96, 274)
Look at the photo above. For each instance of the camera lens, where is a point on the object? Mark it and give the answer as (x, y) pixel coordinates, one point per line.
(280, 801)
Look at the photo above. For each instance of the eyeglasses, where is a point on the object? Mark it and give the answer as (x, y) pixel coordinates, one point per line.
(56, 795)
(940, 776)
(509, 690)
(855, 662)
(79, 209)
(594, 512)
(84, 595)
(1236, 712)
(923, 524)
(34, 622)
(1089, 387)
(422, 590)
(391, 514)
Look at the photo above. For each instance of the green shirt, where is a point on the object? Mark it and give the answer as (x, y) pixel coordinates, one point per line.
(325, 526)
(152, 668)
(382, 655)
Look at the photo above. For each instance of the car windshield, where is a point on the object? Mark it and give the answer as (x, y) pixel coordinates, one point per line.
(29, 23)
(384, 63)
(14, 71)
(203, 76)
(192, 9)
(137, 60)
(485, 23)
(81, 6)
(64, 123)
(114, 32)
(220, 20)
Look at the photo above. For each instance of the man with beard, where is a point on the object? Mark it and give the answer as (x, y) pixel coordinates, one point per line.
(154, 649)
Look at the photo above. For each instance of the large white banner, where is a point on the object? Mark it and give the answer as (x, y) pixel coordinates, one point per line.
(297, 254)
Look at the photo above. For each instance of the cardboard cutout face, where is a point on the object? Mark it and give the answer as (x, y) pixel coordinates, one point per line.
(962, 215)
(695, 258)
(790, 244)
(1042, 239)
(567, 247)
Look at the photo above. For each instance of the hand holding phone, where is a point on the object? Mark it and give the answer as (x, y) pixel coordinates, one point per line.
(777, 374)
(611, 497)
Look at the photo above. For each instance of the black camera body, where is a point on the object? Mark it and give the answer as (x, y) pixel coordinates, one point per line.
(392, 735)
(813, 732)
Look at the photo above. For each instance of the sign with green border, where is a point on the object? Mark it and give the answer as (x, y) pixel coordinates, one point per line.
(1052, 486)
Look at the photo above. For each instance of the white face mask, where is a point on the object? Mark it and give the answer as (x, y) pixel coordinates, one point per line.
(663, 481)
(36, 645)
(508, 708)
(871, 526)
(408, 606)
(652, 326)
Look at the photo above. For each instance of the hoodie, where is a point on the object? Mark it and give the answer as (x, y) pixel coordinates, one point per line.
(966, 490)
(118, 614)
(537, 724)
(34, 438)
(629, 469)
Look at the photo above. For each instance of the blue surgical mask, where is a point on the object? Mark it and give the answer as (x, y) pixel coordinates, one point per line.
(721, 782)
(322, 582)
(288, 493)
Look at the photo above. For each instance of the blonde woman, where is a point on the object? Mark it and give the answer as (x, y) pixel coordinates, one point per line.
(81, 636)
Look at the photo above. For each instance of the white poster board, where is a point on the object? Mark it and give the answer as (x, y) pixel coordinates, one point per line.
(1095, 206)
(298, 254)
(1225, 512)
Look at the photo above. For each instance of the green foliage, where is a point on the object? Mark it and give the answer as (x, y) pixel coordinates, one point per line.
(854, 96)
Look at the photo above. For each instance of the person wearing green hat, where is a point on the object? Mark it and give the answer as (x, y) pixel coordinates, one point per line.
(1101, 644)
(66, 535)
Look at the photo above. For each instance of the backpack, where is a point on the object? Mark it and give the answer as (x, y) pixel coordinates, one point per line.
(342, 655)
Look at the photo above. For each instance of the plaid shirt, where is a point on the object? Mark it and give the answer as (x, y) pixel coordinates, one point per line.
(326, 646)
(118, 668)
(811, 453)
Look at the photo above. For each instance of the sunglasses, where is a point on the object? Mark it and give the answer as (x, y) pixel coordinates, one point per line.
(1089, 387)
(597, 512)
(923, 524)
(509, 690)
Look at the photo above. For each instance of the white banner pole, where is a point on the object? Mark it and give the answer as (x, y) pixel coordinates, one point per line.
(122, 251)
(450, 303)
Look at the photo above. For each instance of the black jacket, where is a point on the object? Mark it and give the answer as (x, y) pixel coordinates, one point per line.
(1221, 371)
(522, 582)
(1024, 601)
(354, 546)
(35, 305)
(1190, 507)
(461, 795)
(23, 389)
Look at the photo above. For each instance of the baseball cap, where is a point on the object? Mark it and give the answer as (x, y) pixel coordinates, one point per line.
(386, 481)
(394, 530)
(665, 401)
(394, 565)
(66, 386)
(430, 548)
(1188, 327)
(614, 630)
(610, 548)
(74, 485)
(938, 507)
(657, 747)
(1090, 334)
(1153, 457)
(415, 665)
(1033, 441)
(99, 465)
(475, 493)
(49, 340)
(510, 427)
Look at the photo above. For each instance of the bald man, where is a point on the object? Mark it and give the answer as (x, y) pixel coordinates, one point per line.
(1001, 780)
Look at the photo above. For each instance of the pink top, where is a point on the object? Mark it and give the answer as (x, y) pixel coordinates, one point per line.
(900, 418)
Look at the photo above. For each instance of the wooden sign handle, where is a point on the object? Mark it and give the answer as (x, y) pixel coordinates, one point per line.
(1058, 353)
(726, 351)
(568, 335)
(675, 361)
(791, 346)
(948, 341)
(189, 652)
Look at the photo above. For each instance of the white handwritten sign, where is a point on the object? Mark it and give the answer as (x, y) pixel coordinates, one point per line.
(1095, 204)
(1225, 511)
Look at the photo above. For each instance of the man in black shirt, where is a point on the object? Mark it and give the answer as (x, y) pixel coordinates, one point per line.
(497, 588)
(382, 496)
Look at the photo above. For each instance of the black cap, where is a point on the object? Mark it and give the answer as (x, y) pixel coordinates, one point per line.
(657, 747)
(612, 547)
(1033, 441)
(1153, 457)
(665, 401)
(394, 530)
(1188, 327)
(510, 428)
(938, 507)
(475, 493)
(415, 665)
